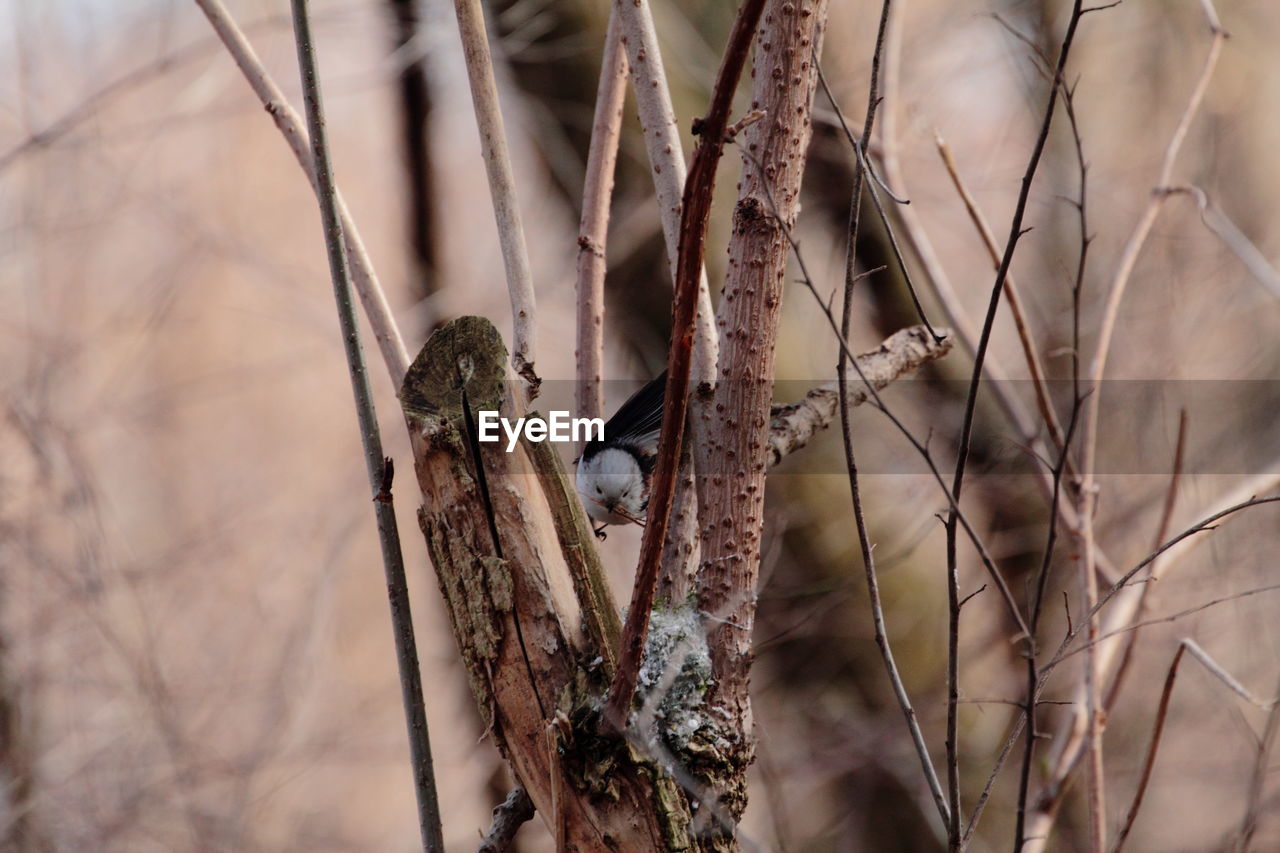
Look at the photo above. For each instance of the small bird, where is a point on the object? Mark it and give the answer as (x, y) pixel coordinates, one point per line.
(614, 473)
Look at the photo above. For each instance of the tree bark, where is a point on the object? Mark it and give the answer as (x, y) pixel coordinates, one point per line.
(732, 492)
(533, 618)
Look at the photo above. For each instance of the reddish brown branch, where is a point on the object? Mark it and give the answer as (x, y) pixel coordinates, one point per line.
(696, 209)
(1149, 762)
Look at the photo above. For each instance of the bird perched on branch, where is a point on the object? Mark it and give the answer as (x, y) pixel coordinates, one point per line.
(614, 473)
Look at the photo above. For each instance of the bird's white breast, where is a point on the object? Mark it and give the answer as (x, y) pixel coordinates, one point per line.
(612, 480)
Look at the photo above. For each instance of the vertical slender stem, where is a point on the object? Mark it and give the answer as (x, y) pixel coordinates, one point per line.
(606, 130)
(1149, 762)
(363, 276)
(1253, 807)
(946, 807)
(502, 186)
(1089, 489)
(980, 352)
(379, 468)
(666, 159)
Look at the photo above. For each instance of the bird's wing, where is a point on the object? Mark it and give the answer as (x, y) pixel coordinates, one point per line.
(637, 421)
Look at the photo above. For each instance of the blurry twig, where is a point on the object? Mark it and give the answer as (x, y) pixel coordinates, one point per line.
(502, 187)
(509, 815)
(363, 276)
(594, 230)
(1219, 672)
(379, 467)
(1162, 531)
(917, 238)
(1029, 349)
(1233, 238)
(948, 806)
(127, 82)
(1088, 494)
(1162, 711)
(1261, 765)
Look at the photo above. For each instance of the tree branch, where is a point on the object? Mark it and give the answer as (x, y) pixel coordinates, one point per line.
(793, 426)
(731, 495)
(379, 468)
(363, 276)
(666, 158)
(695, 210)
(502, 187)
(509, 815)
(606, 130)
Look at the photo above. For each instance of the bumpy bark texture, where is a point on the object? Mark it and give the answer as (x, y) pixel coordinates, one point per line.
(534, 621)
(732, 495)
(795, 424)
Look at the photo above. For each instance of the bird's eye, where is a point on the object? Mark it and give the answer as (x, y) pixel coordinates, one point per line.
(599, 491)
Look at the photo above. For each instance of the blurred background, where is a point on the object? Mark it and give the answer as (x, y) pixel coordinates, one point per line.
(195, 650)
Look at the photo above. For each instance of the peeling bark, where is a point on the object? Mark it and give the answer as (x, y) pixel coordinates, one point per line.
(795, 424)
(534, 621)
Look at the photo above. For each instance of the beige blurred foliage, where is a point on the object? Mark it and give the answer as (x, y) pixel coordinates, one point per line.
(194, 624)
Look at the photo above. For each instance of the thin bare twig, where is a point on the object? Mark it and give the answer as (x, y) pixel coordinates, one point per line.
(1029, 349)
(1088, 493)
(1071, 739)
(947, 805)
(1033, 672)
(379, 468)
(1261, 765)
(939, 282)
(1162, 711)
(666, 158)
(855, 361)
(874, 397)
(606, 130)
(502, 187)
(372, 297)
(1174, 617)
